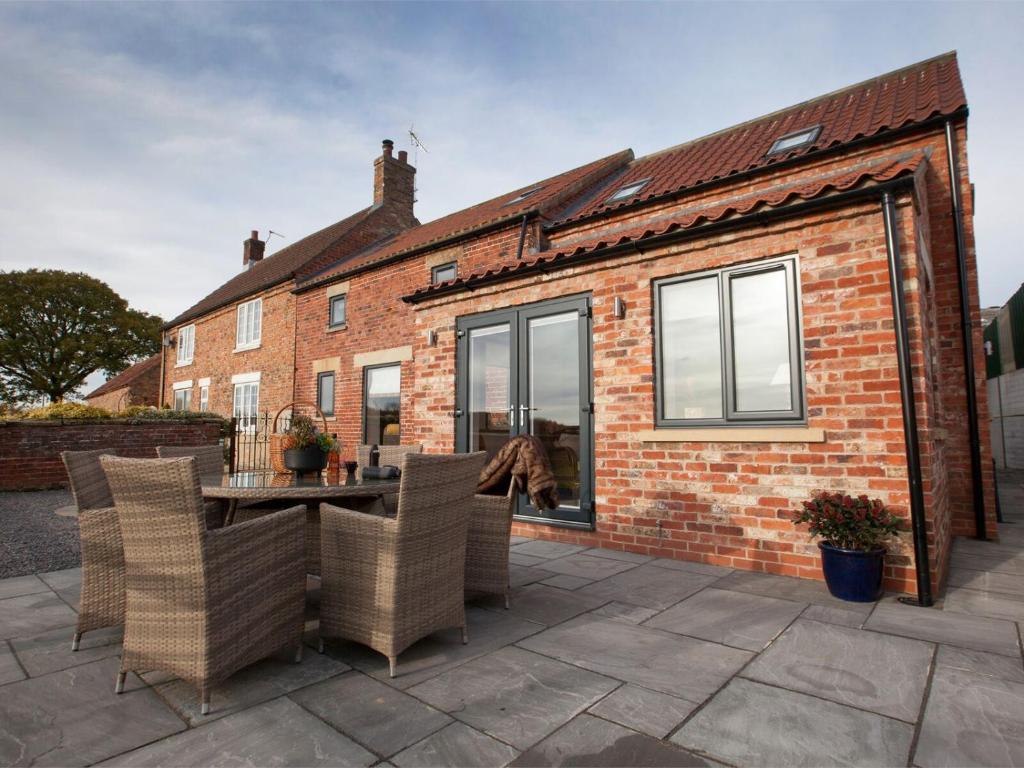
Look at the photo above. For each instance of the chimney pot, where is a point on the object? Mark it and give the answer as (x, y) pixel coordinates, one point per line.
(388, 145)
(252, 249)
(403, 156)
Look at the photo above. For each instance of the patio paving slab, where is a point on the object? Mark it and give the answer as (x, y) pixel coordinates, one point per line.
(34, 614)
(587, 567)
(488, 631)
(51, 651)
(643, 710)
(681, 666)
(616, 554)
(980, 663)
(649, 586)
(753, 724)
(631, 614)
(731, 618)
(971, 720)
(989, 563)
(459, 745)
(10, 670)
(527, 560)
(513, 540)
(549, 605)
(999, 549)
(21, 585)
(521, 575)
(993, 605)
(975, 632)
(546, 549)
(73, 717)
(694, 567)
(248, 687)
(567, 582)
(66, 583)
(378, 716)
(278, 733)
(590, 741)
(786, 587)
(514, 695)
(881, 673)
(854, 616)
(987, 581)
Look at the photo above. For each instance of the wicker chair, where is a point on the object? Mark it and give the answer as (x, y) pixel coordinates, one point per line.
(102, 598)
(202, 604)
(210, 461)
(490, 531)
(390, 455)
(386, 583)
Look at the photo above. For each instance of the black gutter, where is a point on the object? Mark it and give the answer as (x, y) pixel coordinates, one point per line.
(522, 237)
(824, 152)
(918, 522)
(973, 432)
(715, 227)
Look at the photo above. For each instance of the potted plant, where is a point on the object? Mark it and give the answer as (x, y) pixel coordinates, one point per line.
(854, 531)
(306, 448)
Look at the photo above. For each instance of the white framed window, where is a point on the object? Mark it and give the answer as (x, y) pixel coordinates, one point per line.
(246, 405)
(182, 395)
(186, 344)
(204, 398)
(247, 333)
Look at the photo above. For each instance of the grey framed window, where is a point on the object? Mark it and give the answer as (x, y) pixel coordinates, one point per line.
(338, 307)
(325, 392)
(627, 191)
(727, 347)
(795, 139)
(443, 272)
(382, 404)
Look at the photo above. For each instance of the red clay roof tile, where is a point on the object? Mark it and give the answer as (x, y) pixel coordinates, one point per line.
(126, 377)
(890, 101)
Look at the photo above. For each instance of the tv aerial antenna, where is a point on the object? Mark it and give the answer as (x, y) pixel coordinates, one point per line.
(417, 146)
(271, 233)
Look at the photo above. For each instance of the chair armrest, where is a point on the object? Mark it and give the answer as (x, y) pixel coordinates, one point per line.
(353, 547)
(250, 549)
(349, 522)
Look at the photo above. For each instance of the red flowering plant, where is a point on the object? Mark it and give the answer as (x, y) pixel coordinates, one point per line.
(849, 522)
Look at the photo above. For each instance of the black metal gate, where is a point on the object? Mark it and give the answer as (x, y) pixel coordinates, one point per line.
(249, 441)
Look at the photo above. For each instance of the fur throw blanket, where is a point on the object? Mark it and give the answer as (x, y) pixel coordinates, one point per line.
(524, 461)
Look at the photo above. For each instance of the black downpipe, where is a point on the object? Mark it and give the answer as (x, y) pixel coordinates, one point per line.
(522, 237)
(966, 326)
(899, 317)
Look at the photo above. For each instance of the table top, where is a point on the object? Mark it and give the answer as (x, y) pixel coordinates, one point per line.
(264, 484)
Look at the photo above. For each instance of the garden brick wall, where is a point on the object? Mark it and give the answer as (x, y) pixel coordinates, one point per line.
(30, 450)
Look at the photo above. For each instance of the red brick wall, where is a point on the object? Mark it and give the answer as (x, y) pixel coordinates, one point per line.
(723, 503)
(144, 390)
(30, 451)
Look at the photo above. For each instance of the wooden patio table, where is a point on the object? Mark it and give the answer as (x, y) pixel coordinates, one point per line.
(264, 485)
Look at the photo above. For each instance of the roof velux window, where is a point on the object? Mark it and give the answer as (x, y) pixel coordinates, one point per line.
(794, 140)
(524, 195)
(628, 191)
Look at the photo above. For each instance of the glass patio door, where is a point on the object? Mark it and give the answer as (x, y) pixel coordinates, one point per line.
(527, 371)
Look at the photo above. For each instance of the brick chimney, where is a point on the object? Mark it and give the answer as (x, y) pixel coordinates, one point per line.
(393, 180)
(252, 249)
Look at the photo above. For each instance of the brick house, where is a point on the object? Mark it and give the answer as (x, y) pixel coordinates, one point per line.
(701, 337)
(137, 385)
(232, 352)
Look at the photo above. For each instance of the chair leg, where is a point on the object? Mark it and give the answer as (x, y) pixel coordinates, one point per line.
(298, 654)
(507, 601)
(320, 645)
(204, 696)
(75, 641)
(465, 634)
(392, 665)
(119, 685)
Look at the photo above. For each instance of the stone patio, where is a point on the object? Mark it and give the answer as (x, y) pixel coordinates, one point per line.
(605, 658)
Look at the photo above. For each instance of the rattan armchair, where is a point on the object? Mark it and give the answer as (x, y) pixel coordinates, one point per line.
(390, 455)
(209, 461)
(487, 544)
(386, 582)
(202, 604)
(102, 597)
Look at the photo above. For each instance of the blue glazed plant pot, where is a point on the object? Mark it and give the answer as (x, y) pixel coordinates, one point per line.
(852, 574)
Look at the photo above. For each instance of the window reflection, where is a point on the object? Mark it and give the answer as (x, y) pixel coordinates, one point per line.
(691, 352)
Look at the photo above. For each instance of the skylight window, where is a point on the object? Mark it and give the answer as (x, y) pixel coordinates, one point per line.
(628, 191)
(794, 140)
(524, 195)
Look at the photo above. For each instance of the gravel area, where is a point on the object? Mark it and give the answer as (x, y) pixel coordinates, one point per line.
(33, 539)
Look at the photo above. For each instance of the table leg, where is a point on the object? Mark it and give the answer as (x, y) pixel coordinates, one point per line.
(229, 518)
